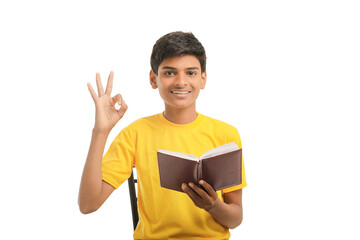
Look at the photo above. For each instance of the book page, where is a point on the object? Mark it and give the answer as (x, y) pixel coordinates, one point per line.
(180, 155)
(229, 147)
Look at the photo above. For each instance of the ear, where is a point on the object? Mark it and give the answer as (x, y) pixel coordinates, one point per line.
(153, 77)
(203, 80)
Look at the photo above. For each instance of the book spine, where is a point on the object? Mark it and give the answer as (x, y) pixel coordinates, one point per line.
(195, 173)
(199, 171)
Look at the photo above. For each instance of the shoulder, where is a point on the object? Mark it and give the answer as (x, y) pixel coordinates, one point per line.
(221, 130)
(143, 122)
(141, 125)
(218, 124)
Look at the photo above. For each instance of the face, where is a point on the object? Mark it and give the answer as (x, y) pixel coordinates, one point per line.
(179, 81)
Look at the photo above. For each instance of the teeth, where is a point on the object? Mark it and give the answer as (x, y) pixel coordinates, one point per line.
(176, 92)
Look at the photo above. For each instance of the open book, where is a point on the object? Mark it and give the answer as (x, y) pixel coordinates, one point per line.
(220, 167)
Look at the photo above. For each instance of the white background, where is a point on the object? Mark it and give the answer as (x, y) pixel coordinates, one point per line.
(285, 73)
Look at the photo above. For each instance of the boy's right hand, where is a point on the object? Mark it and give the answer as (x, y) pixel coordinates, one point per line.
(106, 114)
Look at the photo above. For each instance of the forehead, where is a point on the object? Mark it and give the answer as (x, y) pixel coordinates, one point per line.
(180, 62)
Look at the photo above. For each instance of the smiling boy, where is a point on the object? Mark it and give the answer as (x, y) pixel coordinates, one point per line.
(179, 80)
(178, 71)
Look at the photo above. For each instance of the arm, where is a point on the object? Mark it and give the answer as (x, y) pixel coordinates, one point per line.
(228, 213)
(93, 190)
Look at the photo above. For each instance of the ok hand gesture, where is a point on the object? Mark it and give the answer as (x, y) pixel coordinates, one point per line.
(106, 114)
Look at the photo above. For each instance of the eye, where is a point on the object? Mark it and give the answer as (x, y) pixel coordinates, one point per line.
(169, 73)
(191, 73)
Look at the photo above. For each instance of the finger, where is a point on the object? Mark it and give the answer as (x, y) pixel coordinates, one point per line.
(99, 85)
(122, 109)
(109, 85)
(199, 191)
(92, 92)
(117, 99)
(196, 200)
(118, 102)
(193, 195)
(210, 190)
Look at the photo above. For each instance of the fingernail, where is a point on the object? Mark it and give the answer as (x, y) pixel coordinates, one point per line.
(191, 184)
(201, 182)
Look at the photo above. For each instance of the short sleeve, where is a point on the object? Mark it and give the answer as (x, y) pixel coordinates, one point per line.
(118, 162)
(237, 140)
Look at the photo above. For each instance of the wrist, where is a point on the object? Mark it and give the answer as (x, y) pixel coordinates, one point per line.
(101, 131)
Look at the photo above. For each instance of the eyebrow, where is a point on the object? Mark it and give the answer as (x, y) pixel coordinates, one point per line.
(172, 68)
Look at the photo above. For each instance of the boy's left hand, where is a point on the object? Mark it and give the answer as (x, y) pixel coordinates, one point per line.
(202, 199)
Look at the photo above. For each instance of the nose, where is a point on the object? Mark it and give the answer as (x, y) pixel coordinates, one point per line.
(181, 79)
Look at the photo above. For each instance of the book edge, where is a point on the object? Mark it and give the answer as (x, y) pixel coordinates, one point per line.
(182, 155)
(221, 150)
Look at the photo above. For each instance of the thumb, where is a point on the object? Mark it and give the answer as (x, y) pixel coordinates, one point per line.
(117, 99)
(123, 108)
(121, 103)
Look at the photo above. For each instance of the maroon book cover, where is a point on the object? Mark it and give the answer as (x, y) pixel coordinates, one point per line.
(220, 167)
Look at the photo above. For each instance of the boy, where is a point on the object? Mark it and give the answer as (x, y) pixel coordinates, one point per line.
(178, 63)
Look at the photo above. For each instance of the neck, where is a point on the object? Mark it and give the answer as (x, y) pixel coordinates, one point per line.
(180, 116)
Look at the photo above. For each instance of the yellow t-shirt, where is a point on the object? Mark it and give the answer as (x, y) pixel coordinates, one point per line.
(164, 213)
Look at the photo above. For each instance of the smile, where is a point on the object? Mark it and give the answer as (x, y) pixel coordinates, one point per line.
(181, 92)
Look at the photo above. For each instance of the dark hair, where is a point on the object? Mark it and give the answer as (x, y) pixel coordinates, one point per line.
(177, 44)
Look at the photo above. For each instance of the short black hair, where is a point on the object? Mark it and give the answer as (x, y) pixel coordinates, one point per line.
(177, 44)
